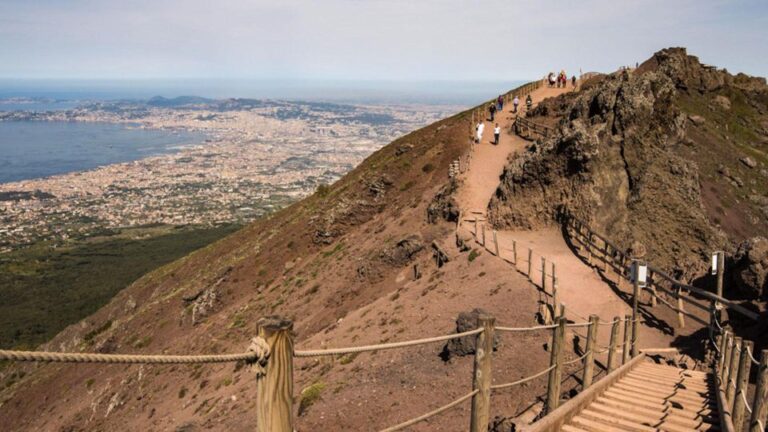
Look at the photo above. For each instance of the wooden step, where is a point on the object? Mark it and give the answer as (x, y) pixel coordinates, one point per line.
(652, 419)
(694, 406)
(615, 399)
(670, 369)
(665, 376)
(674, 372)
(665, 386)
(571, 428)
(670, 385)
(651, 392)
(615, 421)
(660, 413)
(594, 426)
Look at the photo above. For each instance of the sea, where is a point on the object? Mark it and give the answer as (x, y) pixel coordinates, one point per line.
(35, 149)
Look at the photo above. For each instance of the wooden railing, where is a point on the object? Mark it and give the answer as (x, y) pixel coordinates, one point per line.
(530, 129)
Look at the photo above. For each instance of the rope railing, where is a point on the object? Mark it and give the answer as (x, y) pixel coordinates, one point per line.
(258, 351)
(430, 414)
(524, 329)
(381, 347)
(523, 380)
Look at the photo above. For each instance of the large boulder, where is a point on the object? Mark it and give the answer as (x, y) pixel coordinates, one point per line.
(749, 269)
(466, 345)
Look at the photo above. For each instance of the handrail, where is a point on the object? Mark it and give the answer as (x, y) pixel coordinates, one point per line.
(572, 220)
(380, 347)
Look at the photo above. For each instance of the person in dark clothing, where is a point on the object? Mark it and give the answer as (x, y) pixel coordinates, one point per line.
(492, 110)
(500, 103)
(528, 102)
(573, 80)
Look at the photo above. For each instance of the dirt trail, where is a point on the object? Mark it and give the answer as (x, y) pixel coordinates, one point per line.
(580, 288)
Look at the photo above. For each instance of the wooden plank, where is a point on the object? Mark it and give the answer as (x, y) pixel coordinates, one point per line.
(619, 395)
(562, 415)
(639, 388)
(672, 382)
(702, 379)
(655, 396)
(616, 421)
(595, 426)
(652, 419)
(677, 416)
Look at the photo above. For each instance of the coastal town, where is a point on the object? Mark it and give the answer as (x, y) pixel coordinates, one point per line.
(258, 156)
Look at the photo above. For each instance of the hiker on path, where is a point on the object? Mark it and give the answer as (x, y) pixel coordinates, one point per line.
(528, 102)
(551, 79)
(515, 103)
(496, 133)
(480, 128)
(573, 81)
(492, 110)
(500, 103)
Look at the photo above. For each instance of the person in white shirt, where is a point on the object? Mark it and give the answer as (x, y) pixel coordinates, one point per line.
(496, 133)
(480, 128)
(515, 103)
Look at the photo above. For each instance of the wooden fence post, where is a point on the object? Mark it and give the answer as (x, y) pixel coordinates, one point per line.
(481, 402)
(635, 304)
(544, 277)
(589, 360)
(554, 288)
(733, 369)
(627, 339)
(530, 264)
(680, 314)
(742, 384)
(556, 360)
(589, 246)
(760, 404)
(726, 356)
(483, 234)
(476, 232)
(721, 358)
(514, 251)
(496, 243)
(274, 389)
(613, 343)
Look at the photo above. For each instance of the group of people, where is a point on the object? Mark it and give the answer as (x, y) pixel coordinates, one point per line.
(480, 128)
(496, 107)
(560, 80)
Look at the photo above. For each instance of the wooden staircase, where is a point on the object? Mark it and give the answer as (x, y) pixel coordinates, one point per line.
(642, 396)
(649, 398)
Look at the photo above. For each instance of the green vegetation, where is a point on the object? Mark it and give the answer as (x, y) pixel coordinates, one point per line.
(473, 255)
(310, 395)
(46, 288)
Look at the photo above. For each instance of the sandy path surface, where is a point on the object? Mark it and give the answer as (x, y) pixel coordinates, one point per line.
(580, 288)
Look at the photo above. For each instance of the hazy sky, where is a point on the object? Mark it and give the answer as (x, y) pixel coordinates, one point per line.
(369, 39)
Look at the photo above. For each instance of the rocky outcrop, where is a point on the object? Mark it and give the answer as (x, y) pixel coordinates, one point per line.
(613, 163)
(749, 270)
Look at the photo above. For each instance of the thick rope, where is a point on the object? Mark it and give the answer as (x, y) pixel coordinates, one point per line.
(432, 413)
(586, 324)
(258, 351)
(352, 350)
(604, 323)
(521, 381)
(577, 359)
(522, 329)
(744, 398)
(751, 357)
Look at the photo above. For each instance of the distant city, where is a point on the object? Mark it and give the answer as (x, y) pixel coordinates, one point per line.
(258, 156)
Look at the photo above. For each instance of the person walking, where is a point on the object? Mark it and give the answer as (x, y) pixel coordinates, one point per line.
(573, 81)
(500, 103)
(496, 133)
(528, 103)
(515, 103)
(492, 110)
(480, 129)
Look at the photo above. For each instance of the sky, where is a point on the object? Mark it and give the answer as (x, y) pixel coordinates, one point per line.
(396, 40)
